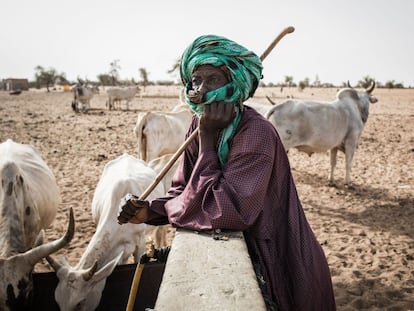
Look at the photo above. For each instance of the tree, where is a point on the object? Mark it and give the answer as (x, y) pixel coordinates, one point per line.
(105, 79)
(317, 82)
(365, 82)
(393, 85)
(48, 77)
(114, 71)
(144, 77)
(288, 80)
(303, 84)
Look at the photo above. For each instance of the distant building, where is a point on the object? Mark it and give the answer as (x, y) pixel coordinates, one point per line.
(15, 84)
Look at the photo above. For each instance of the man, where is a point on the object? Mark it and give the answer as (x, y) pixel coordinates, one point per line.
(236, 176)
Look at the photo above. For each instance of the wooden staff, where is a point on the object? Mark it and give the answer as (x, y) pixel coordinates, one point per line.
(170, 163)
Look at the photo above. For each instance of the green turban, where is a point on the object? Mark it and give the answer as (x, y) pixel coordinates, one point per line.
(245, 69)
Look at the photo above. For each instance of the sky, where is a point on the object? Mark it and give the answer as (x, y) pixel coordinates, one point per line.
(334, 40)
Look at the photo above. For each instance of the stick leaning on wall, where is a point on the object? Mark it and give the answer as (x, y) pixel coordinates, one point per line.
(167, 167)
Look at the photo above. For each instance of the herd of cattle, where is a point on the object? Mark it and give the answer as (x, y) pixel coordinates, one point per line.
(83, 94)
(29, 195)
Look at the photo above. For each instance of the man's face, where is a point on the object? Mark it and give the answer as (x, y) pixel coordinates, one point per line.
(206, 78)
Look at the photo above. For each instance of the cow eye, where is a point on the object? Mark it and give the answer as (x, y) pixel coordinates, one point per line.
(27, 210)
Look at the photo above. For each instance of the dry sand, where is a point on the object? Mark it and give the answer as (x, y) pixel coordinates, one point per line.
(367, 232)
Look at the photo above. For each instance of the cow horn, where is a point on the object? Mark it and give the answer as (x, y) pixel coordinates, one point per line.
(36, 254)
(53, 263)
(349, 84)
(371, 87)
(271, 101)
(88, 274)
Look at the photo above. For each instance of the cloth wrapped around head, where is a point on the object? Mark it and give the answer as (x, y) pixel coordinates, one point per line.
(245, 70)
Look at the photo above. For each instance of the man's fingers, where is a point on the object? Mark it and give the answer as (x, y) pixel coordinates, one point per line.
(122, 219)
(222, 109)
(130, 208)
(126, 210)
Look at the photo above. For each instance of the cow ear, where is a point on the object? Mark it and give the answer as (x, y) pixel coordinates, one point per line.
(106, 270)
(373, 99)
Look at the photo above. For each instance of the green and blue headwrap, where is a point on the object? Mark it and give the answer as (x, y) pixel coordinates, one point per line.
(245, 69)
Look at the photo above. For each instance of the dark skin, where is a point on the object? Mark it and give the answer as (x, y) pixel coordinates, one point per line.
(216, 116)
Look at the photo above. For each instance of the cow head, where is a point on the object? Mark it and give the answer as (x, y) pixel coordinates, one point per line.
(368, 90)
(15, 270)
(80, 288)
(361, 98)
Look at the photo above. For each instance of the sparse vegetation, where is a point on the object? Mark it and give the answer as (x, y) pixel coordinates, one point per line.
(48, 77)
(144, 77)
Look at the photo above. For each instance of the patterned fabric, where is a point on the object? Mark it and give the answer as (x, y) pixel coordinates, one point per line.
(245, 70)
(254, 192)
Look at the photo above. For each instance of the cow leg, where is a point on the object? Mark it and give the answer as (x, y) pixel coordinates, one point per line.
(333, 152)
(75, 106)
(83, 107)
(159, 236)
(140, 248)
(349, 154)
(351, 145)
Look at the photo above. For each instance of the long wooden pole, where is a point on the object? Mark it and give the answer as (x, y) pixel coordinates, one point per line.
(166, 168)
(285, 31)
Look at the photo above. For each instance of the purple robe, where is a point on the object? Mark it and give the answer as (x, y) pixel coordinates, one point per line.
(254, 192)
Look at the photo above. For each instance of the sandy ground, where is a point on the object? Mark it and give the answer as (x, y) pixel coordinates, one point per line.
(367, 232)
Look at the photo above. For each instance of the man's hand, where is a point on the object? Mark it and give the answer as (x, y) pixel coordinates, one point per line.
(216, 116)
(133, 210)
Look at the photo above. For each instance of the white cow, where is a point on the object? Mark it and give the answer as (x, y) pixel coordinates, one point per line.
(160, 133)
(29, 198)
(82, 96)
(80, 287)
(312, 126)
(117, 94)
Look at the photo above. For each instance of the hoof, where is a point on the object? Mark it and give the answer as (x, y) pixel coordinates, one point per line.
(332, 184)
(349, 186)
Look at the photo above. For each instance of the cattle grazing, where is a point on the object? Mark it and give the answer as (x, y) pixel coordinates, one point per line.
(117, 94)
(312, 126)
(160, 133)
(82, 96)
(80, 287)
(29, 199)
